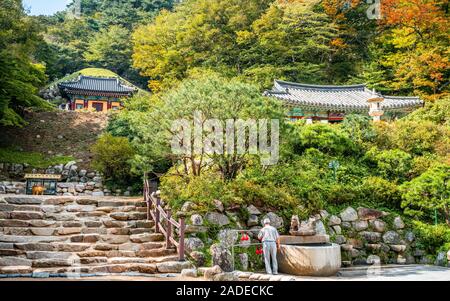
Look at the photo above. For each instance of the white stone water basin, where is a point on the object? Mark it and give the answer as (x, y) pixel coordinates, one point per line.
(310, 260)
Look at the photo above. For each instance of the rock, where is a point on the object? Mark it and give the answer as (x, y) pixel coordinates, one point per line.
(218, 205)
(252, 210)
(16, 270)
(320, 228)
(243, 259)
(193, 244)
(410, 259)
(69, 164)
(225, 277)
(340, 239)
(173, 266)
(337, 229)
(410, 236)
(98, 193)
(197, 220)
(398, 223)
(12, 261)
(218, 219)
(349, 215)
(360, 225)
(324, 214)
(222, 257)
(119, 216)
(23, 200)
(48, 255)
(189, 273)
(401, 259)
(199, 258)
(398, 248)
(373, 260)
(228, 237)
(356, 243)
(188, 206)
(369, 214)
(146, 237)
(373, 247)
(209, 273)
(253, 220)
(275, 220)
(371, 237)
(391, 237)
(441, 259)
(378, 225)
(346, 225)
(334, 220)
(48, 263)
(195, 229)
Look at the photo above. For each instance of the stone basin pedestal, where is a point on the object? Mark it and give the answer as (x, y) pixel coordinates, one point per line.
(310, 257)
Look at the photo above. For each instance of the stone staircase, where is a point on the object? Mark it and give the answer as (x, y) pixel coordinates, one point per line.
(85, 235)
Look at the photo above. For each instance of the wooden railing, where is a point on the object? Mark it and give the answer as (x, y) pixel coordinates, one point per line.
(164, 222)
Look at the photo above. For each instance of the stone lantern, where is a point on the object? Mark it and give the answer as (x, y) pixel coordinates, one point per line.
(375, 110)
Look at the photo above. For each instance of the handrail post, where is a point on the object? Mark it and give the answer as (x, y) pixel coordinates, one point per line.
(168, 229)
(181, 239)
(157, 217)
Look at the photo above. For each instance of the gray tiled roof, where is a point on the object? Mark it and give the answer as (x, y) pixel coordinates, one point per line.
(336, 98)
(98, 84)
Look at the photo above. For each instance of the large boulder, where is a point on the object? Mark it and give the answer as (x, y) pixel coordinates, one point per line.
(252, 210)
(228, 237)
(334, 220)
(349, 215)
(218, 219)
(369, 214)
(275, 220)
(253, 220)
(222, 257)
(199, 258)
(391, 237)
(193, 244)
(196, 220)
(218, 205)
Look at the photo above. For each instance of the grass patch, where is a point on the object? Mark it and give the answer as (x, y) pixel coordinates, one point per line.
(36, 160)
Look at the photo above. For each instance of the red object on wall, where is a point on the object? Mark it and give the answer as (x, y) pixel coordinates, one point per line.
(244, 237)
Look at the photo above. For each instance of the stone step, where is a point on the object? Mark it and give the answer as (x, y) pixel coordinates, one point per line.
(30, 239)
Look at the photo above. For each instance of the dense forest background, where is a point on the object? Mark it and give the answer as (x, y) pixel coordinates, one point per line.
(158, 43)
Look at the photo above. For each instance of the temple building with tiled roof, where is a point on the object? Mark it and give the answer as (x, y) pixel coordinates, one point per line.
(95, 93)
(332, 103)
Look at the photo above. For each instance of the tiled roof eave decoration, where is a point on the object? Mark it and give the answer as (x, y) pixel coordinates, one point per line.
(105, 85)
(96, 93)
(353, 98)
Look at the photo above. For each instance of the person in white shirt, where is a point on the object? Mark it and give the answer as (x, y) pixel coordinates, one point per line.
(271, 243)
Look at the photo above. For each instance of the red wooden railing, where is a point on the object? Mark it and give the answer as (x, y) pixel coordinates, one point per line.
(164, 222)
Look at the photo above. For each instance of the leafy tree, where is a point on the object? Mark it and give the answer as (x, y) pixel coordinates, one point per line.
(20, 77)
(429, 191)
(328, 139)
(392, 164)
(217, 98)
(110, 49)
(112, 157)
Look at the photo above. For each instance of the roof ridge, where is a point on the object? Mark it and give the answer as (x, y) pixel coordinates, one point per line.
(399, 97)
(320, 86)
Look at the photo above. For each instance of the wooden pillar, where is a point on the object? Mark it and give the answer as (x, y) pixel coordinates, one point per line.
(158, 202)
(168, 229)
(181, 240)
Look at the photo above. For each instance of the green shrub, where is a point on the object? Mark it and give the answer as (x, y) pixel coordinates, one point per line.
(380, 193)
(392, 164)
(326, 138)
(431, 238)
(112, 157)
